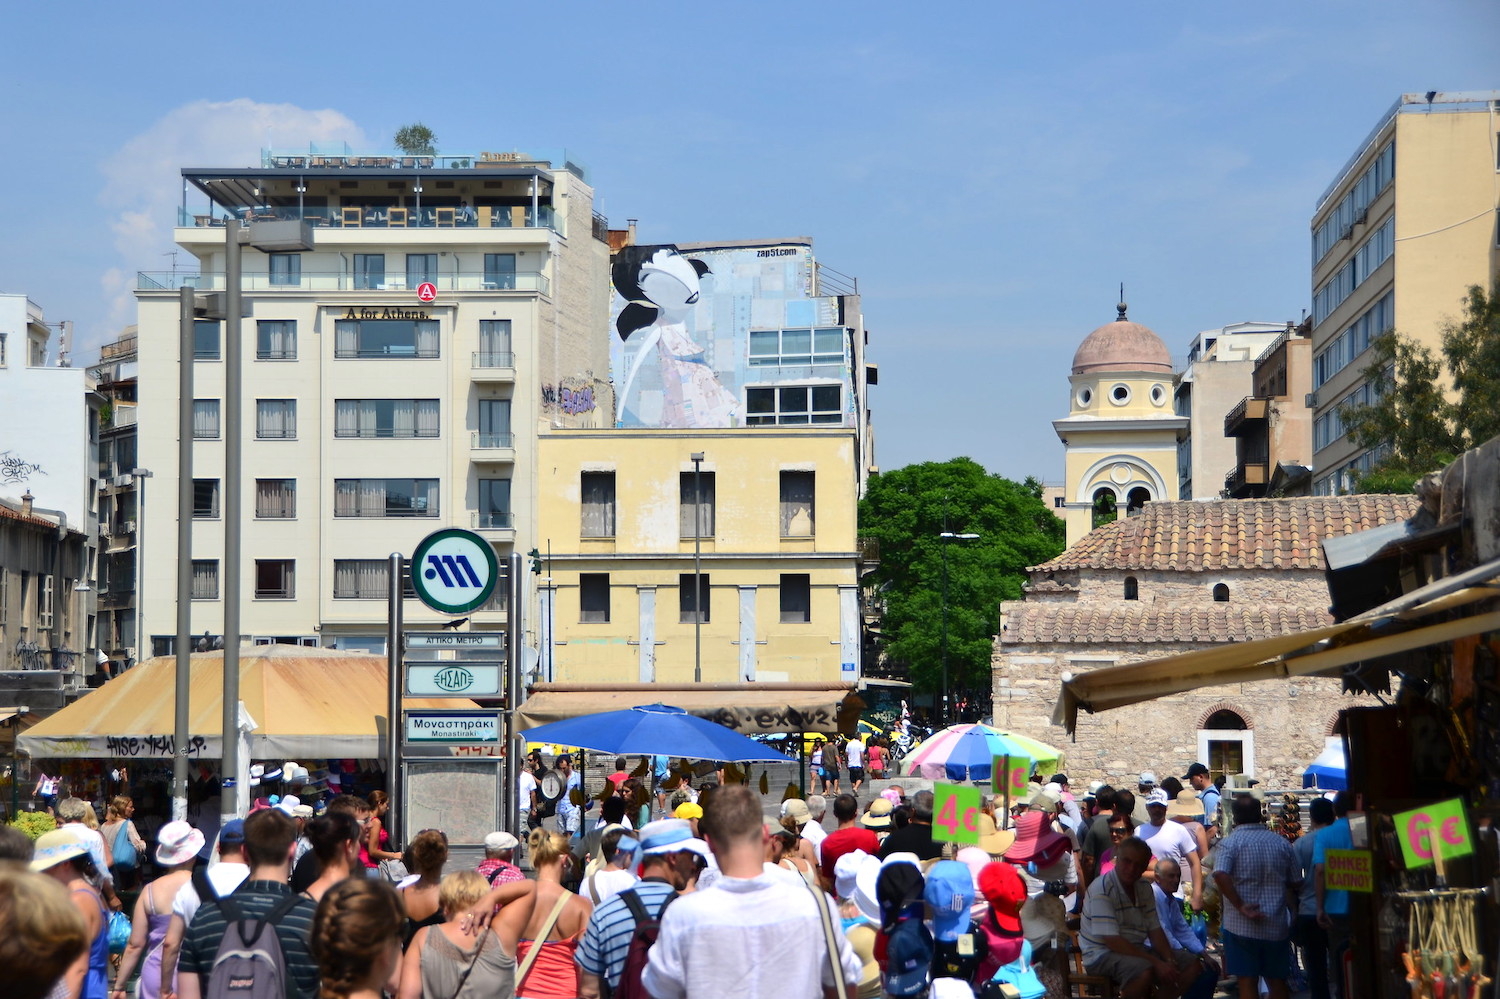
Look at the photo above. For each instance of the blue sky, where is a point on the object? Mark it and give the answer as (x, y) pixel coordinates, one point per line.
(990, 173)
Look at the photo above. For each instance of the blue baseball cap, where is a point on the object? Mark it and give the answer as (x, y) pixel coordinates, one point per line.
(949, 893)
(233, 833)
(908, 966)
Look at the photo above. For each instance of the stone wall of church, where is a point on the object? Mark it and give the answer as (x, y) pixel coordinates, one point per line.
(1258, 586)
(1287, 719)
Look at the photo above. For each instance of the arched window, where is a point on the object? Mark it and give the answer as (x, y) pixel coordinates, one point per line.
(1221, 593)
(1138, 498)
(1105, 511)
(1132, 588)
(1226, 719)
(1226, 743)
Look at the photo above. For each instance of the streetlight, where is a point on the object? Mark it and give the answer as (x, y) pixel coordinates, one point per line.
(948, 536)
(697, 459)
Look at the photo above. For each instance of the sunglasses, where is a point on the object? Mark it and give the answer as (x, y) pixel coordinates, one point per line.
(1118, 830)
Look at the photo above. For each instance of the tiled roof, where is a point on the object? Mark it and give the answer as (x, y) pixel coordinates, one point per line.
(10, 513)
(1213, 535)
(1050, 623)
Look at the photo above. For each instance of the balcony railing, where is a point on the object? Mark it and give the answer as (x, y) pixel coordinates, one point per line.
(1251, 473)
(491, 441)
(493, 359)
(493, 521)
(324, 281)
(356, 216)
(1249, 408)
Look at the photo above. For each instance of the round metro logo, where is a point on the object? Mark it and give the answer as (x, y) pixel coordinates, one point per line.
(454, 571)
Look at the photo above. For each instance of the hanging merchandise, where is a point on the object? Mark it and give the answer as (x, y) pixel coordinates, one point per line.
(1442, 956)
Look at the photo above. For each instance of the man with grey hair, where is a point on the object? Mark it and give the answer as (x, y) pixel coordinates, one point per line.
(916, 835)
(71, 812)
(1120, 920)
(813, 832)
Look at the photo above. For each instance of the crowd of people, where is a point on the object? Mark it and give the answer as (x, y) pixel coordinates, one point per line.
(1164, 890)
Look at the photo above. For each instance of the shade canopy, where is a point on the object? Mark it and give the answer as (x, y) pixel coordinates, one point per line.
(1329, 771)
(1386, 630)
(967, 752)
(654, 729)
(306, 703)
(747, 708)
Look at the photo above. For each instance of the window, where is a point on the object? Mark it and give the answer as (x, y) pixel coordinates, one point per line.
(275, 578)
(797, 504)
(4, 594)
(286, 270)
(797, 346)
(494, 503)
(275, 419)
(205, 579)
(794, 405)
(385, 497)
(373, 418)
(382, 338)
(1339, 223)
(796, 598)
(1375, 251)
(44, 601)
(206, 419)
(369, 271)
(1226, 744)
(494, 423)
(494, 344)
(597, 495)
(593, 597)
(1221, 595)
(696, 508)
(2, 349)
(275, 499)
(420, 267)
(205, 339)
(205, 499)
(366, 579)
(276, 340)
(688, 605)
(1132, 588)
(499, 271)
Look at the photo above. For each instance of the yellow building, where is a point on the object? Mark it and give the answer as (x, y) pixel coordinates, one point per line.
(619, 516)
(1121, 434)
(1406, 227)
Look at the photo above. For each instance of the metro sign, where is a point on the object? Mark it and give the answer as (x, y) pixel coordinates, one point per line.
(454, 571)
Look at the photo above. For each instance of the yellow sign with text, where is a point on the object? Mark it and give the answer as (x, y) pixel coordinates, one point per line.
(1349, 870)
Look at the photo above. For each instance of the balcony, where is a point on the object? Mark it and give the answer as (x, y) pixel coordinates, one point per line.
(360, 216)
(492, 448)
(1248, 479)
(506, 283)
(1250, 409)
(499, 526)
(492, 366)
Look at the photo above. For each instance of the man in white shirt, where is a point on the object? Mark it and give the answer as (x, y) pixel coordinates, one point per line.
(224, 877)
(526, 788)
(1171, 841)
(618, 849)
(856, 755)
(749, 934)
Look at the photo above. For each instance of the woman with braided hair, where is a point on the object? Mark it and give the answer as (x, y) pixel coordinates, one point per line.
(356, 939)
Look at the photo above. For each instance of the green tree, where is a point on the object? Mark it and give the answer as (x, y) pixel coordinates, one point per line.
(1413, 420)
(907, 510)
(416, 139)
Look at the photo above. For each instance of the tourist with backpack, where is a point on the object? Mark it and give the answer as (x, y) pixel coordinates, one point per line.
(622, 929)
(257, 937)
(123, 846)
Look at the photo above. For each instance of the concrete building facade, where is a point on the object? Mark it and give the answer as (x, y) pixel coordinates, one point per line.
(1272, 427)
(396, 377)
(1398, 237)
(122, 492)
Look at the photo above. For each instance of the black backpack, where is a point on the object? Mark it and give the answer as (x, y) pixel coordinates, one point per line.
(646, 931)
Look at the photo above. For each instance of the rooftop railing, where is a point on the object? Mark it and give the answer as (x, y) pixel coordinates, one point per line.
(340, 156)
(382, 217)
(325, 281)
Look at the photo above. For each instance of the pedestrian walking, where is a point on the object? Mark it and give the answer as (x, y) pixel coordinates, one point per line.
(1257, 874)
(356, 938)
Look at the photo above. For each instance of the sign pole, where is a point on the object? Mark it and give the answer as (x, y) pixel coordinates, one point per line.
(515, 696)
(395, 786)
(1007, 795)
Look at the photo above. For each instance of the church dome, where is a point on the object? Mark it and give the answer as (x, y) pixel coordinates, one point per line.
(1122, 346)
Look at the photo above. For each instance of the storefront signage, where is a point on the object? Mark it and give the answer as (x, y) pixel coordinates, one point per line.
(1349, 870)
(1440, 829)
(426, 291)
(453, 726)
(455, 640)
(382, 312)
(955, 814)
(1017, 769)
(453, 679)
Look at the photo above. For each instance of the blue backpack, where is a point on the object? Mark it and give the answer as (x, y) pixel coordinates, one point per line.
(125, 853)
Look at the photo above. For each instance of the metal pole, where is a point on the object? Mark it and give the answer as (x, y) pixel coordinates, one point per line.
(396, 816)
(697, 458)
(183, 645)
(515, 695)
(943, 709)
(229, 760)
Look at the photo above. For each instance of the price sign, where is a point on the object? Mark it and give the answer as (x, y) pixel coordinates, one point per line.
(955, 816)
(1437, 830)
(1011, 771)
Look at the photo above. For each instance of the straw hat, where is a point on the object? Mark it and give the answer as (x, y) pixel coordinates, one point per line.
(1186, 806)
(992, 840)
(878, 815)
(55, 847)
(796, 810)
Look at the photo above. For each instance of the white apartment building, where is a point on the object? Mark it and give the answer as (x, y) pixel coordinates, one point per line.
(1406, 227)
(396, 375)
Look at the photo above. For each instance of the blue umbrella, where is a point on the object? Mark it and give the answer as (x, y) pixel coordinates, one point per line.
(1329, 771)
(654, 729)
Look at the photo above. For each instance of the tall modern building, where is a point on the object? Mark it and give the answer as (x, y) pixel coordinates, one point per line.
(122, 494)
(412, 326)
(1406, 227)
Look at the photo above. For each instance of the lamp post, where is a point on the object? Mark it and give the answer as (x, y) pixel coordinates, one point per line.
(697, 459)
(947, 536)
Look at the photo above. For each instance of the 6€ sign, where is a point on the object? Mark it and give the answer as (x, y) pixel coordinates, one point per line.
(1437, 830)
(1009, 775)
(955, 816)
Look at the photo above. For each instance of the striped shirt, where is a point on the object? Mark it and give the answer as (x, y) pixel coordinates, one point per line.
(200, 946)
(1110, 911)
(606, 941)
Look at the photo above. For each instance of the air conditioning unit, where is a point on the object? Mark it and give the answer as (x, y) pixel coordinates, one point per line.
(1311, 400)
(120, 481)
(129, 527)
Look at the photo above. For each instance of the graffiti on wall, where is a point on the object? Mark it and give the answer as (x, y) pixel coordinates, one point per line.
(573, 396)
(15, 470)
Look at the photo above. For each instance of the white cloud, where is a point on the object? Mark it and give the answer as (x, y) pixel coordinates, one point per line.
(143, 178)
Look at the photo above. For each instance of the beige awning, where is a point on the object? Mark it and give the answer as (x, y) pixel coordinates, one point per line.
(1376, 633)
(748, 708)
(305, 703)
